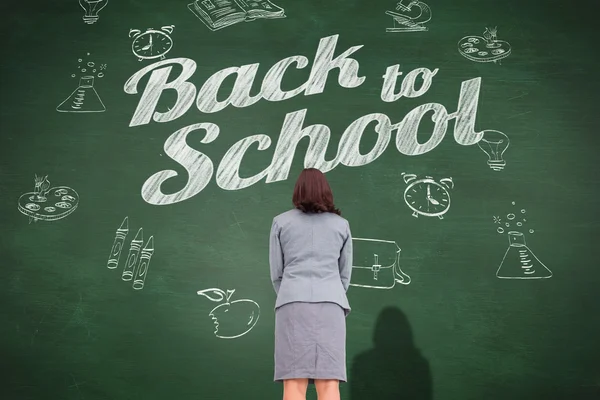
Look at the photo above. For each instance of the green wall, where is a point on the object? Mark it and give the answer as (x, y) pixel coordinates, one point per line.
(201, 159)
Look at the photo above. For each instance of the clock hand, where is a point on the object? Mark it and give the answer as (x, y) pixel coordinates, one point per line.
(149, 45)
(431, 199)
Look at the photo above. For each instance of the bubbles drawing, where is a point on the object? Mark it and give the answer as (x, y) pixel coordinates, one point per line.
(519, 261)
(494, 144)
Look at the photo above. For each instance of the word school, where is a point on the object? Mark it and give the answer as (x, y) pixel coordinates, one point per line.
(200, 167)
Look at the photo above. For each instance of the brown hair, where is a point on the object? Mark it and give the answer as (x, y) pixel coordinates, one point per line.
(312, 193)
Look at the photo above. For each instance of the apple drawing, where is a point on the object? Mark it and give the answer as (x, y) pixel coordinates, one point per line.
(232, 319)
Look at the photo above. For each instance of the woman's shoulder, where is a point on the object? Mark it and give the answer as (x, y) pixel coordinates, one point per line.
(287, 214)
(295, 214)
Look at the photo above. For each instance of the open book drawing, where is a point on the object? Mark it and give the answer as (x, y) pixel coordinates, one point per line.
(219, 14)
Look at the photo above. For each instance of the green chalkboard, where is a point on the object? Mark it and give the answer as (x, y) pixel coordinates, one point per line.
(147, 145)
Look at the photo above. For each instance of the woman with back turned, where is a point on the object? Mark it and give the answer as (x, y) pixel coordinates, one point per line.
(310, 255)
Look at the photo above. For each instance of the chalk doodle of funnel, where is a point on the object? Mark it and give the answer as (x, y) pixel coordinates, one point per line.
(410, 16)
(519, 261)
(376, 264)
(85, 98)
(494, 144)
(232, 319)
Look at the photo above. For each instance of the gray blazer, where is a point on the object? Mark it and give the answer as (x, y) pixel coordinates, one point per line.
(310, 256)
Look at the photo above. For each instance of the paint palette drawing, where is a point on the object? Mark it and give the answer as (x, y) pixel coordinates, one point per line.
(55, 204)
(486, 48)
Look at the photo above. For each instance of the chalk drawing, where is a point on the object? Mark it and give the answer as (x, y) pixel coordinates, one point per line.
(219, 14)
(76, 386)
(138, 258)
(232, 319)
(48, 204)
(153, 43)
(519, 262)
(117, 248)
(494, 144)
(85, 98)
(92, 8)
(142, 269)
(414, 14)
(200, 168)
(377, 264)
(426, 196)
(484, 49)
(132, 257)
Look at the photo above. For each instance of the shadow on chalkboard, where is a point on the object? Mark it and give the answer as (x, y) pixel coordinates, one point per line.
(394, 368)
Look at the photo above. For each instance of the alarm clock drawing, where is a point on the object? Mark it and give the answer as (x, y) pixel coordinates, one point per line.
(426, 196)
(152, 43)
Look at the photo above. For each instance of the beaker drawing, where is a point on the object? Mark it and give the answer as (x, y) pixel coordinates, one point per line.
(519, 262)
(84, 99)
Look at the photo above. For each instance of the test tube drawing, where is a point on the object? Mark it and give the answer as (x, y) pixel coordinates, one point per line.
(117, 248)
(134, 251)
(142, 270)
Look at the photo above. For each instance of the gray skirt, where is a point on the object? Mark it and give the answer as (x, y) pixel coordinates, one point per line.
(310, 341)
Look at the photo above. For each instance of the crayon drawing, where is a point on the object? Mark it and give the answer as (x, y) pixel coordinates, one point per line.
(117, 248)
(138, 258)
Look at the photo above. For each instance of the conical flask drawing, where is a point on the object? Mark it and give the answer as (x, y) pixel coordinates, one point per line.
(519, 262)
(83, 99)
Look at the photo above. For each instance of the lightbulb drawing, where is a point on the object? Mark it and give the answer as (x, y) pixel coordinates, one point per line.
(494, 144)
(92, 7)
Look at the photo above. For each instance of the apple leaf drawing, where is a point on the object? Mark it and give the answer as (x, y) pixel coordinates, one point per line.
(217, 295)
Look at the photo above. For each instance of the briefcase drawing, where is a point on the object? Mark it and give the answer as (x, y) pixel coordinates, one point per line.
(376, 264)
